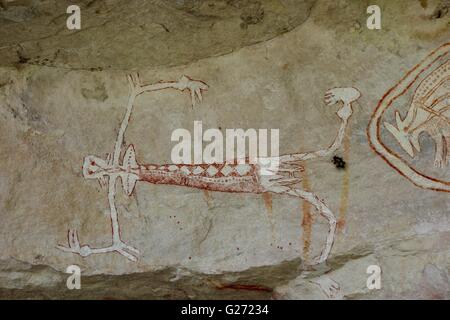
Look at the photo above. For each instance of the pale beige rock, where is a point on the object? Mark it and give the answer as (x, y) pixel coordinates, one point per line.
(270, 72)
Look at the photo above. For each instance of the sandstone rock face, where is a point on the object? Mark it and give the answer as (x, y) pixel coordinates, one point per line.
(118, 35)
(63, 95)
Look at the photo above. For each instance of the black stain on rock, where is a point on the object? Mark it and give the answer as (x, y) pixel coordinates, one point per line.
(22, 59)
(441, 10)
(338, 162)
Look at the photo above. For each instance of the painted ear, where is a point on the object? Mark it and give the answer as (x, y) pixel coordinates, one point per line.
(399, 121)
(93, 167)
(129, 183)
(391, 128)
(129, 179)
(401, 138)
(129, 159)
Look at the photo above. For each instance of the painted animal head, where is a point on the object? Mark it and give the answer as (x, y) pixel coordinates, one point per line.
(94, 167)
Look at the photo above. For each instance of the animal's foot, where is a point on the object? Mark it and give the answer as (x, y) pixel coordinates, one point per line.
(127, 251)
(317, 260)
(196, 87)
(346, 95)
(328, 286)
(134, 81)
(74, 245)
(440, 163)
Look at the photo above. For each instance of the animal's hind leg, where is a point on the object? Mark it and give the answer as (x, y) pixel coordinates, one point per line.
(324, 212)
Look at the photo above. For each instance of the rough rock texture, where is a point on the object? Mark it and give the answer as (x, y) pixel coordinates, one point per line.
(267, 63)
(123, 35)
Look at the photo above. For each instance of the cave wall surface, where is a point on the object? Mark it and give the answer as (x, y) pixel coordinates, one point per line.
(267, 64)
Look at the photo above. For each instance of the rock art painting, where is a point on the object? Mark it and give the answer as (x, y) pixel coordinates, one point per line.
(419, 106)
(234, 177)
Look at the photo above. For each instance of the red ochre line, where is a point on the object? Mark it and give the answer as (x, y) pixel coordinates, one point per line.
(387, 107)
